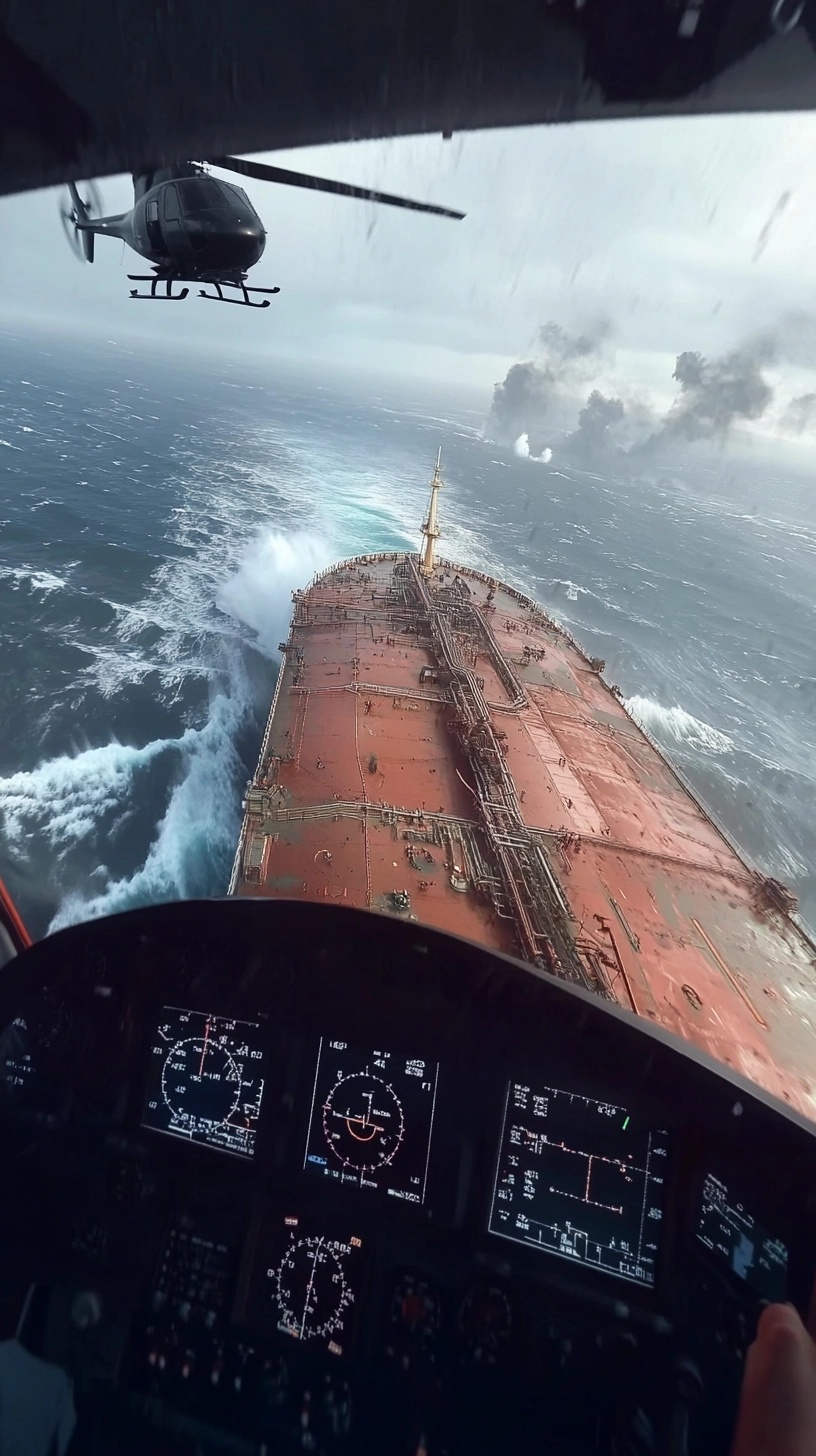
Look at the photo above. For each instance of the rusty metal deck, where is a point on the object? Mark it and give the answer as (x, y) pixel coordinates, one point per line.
(438, 748)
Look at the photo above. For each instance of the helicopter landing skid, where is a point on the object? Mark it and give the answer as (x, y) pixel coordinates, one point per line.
(156, 282)
(244, 301)
(167, 296)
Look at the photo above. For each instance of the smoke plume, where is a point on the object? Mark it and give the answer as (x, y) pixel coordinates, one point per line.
(594, 438)
(524, 399)
(716, 394)
(799, 415)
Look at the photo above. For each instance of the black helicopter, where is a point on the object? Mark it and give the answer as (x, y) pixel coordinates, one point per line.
(196, 228)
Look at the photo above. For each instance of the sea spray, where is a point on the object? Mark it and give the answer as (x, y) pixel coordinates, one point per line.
(677, 725)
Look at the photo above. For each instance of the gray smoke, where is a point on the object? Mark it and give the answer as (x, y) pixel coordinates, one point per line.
(799, 415)
(716, 393)
(524, 399)
(593, 440)
(713, 394)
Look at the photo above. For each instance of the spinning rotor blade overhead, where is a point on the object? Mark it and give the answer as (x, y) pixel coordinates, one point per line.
(265, 173)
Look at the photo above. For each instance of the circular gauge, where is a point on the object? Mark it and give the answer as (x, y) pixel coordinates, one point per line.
(485, 1322)
(413, 1321)
(363, 1122)
(311, 1288)
(200, 1083)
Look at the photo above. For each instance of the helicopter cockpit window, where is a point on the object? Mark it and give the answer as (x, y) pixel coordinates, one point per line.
(238, 195)
(154, 231)
(199, 194)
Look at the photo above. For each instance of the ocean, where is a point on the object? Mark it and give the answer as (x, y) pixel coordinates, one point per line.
(156, 513)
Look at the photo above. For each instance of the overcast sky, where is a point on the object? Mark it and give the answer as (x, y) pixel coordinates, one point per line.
(655, 225)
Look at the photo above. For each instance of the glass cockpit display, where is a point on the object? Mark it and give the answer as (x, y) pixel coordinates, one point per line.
(308, 1281)
(371, 1119)
(580, 1178)
(739, 1241)
(205, 1080)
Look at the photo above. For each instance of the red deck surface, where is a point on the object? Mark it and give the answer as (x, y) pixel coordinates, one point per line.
(360, 769)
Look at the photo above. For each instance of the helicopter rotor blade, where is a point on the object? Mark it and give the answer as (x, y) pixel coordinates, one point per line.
(71, 233)
(74, 209)
(263, 172)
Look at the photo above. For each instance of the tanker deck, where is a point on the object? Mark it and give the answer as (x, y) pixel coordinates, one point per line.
(439, 749)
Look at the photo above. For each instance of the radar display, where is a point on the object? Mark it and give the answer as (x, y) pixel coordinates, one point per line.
(739, 1241)
(371, 1119)
(204, 1081)
(580, 1178)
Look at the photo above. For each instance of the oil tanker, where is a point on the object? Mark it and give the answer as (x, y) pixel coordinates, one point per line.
(440, 750)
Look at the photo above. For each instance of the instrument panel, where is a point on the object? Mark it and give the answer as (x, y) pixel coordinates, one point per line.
(371, 1120)
(327, 1173)
(581, 1179)
(204, 1080)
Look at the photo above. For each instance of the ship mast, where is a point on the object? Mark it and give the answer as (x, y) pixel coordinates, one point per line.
(430, 529)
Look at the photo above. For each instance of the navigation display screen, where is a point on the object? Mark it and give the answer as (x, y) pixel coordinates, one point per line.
(740, 1242)
(204, 1080)
(580, 1178)
(308, 1281)
(371, 1119)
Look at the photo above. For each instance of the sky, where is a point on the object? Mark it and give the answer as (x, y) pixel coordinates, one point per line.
(686, 233)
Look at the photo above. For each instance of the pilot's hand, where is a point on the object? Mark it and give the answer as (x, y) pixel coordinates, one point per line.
(777, 1413)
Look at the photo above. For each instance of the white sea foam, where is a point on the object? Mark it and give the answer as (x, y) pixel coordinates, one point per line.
(676, 724)
(571, 589)
(521, 447)
(258, 593)
(195, 616)
(64, 798)
(42, 581)
(198, 829)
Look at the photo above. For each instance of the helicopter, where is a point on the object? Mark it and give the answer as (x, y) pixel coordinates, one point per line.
(196, 228)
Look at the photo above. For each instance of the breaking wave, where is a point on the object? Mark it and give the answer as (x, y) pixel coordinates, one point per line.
(198, 832)
(571, 588)
(675, 724)
(64, 798)
(258, 593)
(77, 802)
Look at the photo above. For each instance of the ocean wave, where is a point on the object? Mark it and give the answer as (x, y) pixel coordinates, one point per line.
(195, 838)
(42, 581)
(64, 798)
(194, 620)
(258, 593)
(571, 589)
(675, 724)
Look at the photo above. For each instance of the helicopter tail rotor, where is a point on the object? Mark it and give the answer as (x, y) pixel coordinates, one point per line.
(76, 209)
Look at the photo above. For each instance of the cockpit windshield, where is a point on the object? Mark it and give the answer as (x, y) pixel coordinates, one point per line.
(553, 689)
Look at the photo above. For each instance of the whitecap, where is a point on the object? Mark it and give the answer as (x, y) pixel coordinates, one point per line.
(678, 725)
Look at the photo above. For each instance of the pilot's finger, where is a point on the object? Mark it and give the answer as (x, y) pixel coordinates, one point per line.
(777, 1415)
